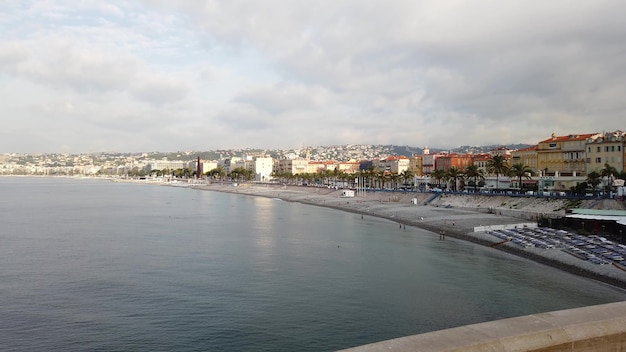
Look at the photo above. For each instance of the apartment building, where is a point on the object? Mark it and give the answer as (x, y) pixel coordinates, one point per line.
(348, 167)
(290, 166)
(563, 155)
(151, 165)
(229, 164)
(415, 165)
(393, 164)
(481, 161)
(262, 168)
(208, 165)
(606, 148)
(315, 167)
(429, 161)
(459, 161)
(526, 156)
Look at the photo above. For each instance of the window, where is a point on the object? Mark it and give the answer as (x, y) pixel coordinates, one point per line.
(619, 148)
(598, 160)
(612, 148)
(598, 149)
(606, 149)
(552, 146)
(588, 149)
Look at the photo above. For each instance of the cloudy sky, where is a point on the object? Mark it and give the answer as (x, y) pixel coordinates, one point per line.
(89, 76)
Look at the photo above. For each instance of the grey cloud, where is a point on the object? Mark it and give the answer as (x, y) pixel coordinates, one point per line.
(160, 91)
(406, 72)
(63, 64)
(281, 98)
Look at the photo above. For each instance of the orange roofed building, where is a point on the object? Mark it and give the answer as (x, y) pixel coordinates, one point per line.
(563, 155)
(526, 156)
(459, 161)
(481, 161)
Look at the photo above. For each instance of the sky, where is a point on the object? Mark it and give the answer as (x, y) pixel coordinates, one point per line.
(157, 75)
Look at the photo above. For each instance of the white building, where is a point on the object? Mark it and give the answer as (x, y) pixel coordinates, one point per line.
(263, 167)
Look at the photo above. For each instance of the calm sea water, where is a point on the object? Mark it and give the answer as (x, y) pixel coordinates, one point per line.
(90, 265)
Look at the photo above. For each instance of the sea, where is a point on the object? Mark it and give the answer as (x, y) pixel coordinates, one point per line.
(93, 265)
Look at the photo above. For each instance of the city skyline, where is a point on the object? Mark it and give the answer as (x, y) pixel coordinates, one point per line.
(152, 75)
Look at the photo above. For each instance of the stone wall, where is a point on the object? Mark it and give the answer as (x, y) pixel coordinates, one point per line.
(594, 328)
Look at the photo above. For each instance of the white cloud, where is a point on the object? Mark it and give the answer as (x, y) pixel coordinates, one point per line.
(255, 74)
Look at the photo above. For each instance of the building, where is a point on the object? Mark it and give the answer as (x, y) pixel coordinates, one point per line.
(415, 165)
(263, 167)
(170, 165)
(429, 162)
(605, 148)
(526, 156)
(459, 161)
(393, 164)
(348, 167)
(315, 167)
(290, 166)
(481, 161)
(229, 164)
(208, 165)
(563, 155)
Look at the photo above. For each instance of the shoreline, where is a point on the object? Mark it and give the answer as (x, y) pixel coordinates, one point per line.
(456, 219)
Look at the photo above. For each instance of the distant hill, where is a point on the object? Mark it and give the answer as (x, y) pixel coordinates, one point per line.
(409, 151)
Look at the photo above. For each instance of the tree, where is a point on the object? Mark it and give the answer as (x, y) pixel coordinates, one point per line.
(453, 174)
(381, 177)
(370, 175)
(474, 173)
(438, 175)
(593, 180)
(407, 175)
(218, 172)
(579, 189)
(394, 177)
(609, 172)
(498, 165)
(520, 170)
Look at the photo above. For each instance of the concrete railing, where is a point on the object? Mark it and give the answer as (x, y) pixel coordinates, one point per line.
(594, 328)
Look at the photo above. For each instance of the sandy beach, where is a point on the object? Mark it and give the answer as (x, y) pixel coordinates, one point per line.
(464, 217)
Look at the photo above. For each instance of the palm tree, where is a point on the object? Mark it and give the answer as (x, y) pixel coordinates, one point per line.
(608, 172)
(498, 165)
(474, 173)
(382, 177)
(438, 175)
(453, 174)
(407, 175)
(520, 170)
(594, 179)
(394, 177)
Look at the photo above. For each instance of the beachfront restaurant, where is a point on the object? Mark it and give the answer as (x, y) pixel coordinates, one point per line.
(610, 224)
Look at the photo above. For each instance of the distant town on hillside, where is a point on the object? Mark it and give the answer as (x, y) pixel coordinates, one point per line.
(89, 163)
